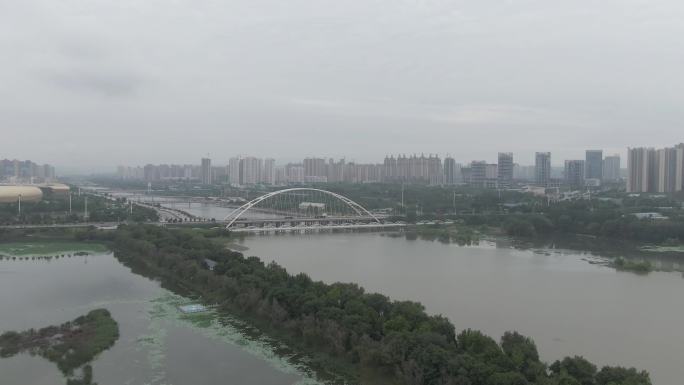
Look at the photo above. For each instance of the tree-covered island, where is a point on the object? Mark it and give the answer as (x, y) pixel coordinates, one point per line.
(71, 346)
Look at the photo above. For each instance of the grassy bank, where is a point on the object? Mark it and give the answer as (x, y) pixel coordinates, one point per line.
(639, 267)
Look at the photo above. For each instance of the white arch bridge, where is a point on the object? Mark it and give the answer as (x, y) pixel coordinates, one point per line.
(301, 209)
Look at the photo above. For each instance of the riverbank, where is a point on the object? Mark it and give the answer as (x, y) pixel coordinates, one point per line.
(632, 256)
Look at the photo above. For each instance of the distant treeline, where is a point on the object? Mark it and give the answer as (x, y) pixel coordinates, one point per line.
(588, 218)
(608, 214)
(364, 336)
(56, 210)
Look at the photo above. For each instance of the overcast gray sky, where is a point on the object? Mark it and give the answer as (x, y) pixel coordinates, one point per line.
(90, 84)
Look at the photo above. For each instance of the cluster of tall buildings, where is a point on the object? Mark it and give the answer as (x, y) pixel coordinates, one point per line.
(411, 169)
(320, 170)
(251, 170)
(159, 172)
(423, 169)
(25, 171)
(592, 171)
(415, 169)
(655, 170)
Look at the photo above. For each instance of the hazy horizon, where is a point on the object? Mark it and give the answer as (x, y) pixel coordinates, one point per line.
(94, 84)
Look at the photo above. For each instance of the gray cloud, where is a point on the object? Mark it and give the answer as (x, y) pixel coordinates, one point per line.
(99, 83)
(134, 82)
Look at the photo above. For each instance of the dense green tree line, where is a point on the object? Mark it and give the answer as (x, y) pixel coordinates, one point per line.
(608, 214)
(342, 324)
(431, 201)
(588, 218)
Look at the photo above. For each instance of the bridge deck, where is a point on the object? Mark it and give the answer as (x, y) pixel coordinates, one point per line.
(316, 227)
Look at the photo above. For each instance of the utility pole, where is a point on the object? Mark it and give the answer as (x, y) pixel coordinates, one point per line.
(85, 215)
(70, 202)
(19, 205)
(402, 196)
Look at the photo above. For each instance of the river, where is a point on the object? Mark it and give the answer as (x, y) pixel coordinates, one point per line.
(567, 305)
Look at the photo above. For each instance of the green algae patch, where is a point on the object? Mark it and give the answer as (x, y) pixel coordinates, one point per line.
(49, 248)
(663, 249)
(220, 327)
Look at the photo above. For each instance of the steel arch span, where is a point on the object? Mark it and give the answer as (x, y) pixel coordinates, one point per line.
(356, 209)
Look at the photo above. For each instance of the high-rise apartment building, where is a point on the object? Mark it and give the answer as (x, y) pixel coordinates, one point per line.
(295, 173)
(435, 172)
(483, 174)
(449, 171)
(314, 167)
(458, 173)
(417, 169)
(268, 174)
(593, 164)
(234, 171)
(679, 177)
(280, 176)
(505, 169)
(611, 168)
(335, 171)
(206, 171)
(574, 173)
(250, 170)
(452, 172)
(642, 170)
(542, 168)
(492, 173)
(478, 173)
(667, 169)
(651, 170)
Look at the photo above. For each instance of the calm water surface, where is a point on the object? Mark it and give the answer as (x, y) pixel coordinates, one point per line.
(567, 305)
(157, 345)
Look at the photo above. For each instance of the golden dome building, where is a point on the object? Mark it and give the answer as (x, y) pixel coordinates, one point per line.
(11, 194)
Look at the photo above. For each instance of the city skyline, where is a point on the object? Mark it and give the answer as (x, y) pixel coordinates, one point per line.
(430, 170)
(490, 156)
(15, 170)
(495, 158)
